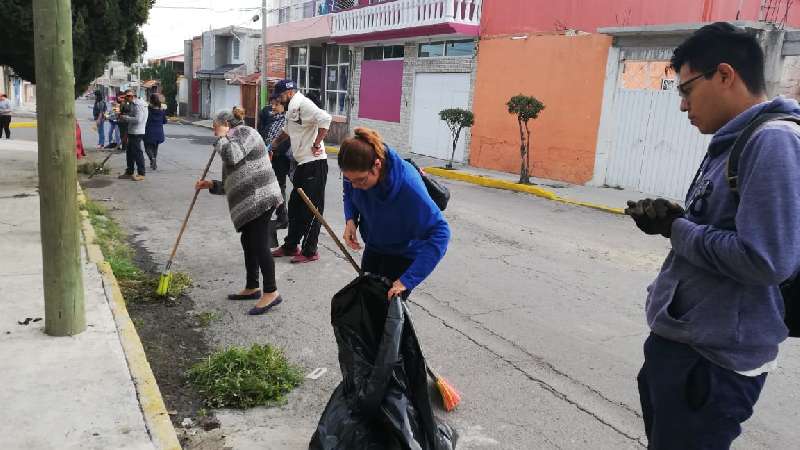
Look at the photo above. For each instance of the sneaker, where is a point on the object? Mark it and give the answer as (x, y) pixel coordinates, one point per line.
(280, 252)
(125, 176)
(137, 177)
(302, 259)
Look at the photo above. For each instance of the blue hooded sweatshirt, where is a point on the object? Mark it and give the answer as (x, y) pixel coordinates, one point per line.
(398, 217)
(718, 288)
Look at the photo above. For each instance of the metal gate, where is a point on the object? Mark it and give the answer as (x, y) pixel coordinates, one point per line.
(654, 149)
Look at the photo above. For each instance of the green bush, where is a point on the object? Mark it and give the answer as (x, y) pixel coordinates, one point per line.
(244, 378)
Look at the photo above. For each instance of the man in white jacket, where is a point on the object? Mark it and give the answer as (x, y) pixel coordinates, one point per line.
(306, 126)
(136, 120)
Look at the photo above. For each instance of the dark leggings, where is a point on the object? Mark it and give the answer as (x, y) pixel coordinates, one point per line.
(389, 266)
(5, 125)
(257, 255)
(151, 150)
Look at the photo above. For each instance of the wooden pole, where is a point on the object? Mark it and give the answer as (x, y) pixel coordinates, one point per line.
(58, 205)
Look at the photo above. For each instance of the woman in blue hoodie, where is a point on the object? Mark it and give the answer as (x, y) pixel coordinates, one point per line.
(404, 232)
(154, 129)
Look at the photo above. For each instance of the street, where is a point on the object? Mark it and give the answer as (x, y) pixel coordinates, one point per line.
(536, 313)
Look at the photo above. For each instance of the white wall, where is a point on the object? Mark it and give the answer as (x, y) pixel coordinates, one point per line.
(224, 96)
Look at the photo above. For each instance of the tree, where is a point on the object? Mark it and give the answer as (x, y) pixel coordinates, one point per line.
(100, 29)
(168, 80)
(456, 119)
(525, 108)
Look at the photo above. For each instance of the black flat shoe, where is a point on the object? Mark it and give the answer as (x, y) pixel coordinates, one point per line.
(256, 311)
(254, 296)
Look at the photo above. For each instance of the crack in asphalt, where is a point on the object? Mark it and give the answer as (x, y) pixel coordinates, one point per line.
(545, 385)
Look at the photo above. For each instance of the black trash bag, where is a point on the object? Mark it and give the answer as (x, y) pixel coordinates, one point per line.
(383, 401)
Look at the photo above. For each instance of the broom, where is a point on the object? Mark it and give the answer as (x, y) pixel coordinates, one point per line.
(450, 396)
(166, 276)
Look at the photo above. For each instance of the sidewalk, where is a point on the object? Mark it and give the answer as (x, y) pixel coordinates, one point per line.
(58, 392)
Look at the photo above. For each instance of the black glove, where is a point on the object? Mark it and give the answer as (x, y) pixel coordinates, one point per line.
(654, 216)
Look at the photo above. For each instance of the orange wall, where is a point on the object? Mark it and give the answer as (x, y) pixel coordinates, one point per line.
(567, 74)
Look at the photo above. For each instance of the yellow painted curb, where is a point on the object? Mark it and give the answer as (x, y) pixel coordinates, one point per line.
(154, 411)
(23, 124)
(331, 150)
(510, 186)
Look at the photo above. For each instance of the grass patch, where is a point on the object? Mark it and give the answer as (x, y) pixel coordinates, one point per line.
(89, 167)
(205, 319)
(136, 285)
(243, 378)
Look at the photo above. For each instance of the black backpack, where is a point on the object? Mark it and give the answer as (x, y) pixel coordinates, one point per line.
(438, 192)
(790, 289)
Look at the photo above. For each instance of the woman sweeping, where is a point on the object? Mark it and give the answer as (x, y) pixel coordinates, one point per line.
(252, 190)
(154, 129)
(404, 232)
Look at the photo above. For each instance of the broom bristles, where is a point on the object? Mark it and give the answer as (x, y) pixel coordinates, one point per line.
(450, 396)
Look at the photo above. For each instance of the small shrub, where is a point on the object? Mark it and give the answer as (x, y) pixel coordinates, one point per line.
(456, 119)
(244, 378)
(89, 167)
(205, 319)
(525, 108)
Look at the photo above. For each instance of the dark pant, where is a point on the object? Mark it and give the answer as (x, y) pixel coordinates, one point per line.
(688, 402)
(311, 177)
(257, 255)
(151, 150)
(5, 125)
(134, 154)
(281, 166)
(389, 266)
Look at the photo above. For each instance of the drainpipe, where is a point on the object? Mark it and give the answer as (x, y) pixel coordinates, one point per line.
(708, 5)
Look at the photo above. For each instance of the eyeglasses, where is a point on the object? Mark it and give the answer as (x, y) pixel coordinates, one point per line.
(682, 87)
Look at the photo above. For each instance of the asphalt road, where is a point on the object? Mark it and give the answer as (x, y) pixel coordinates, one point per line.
(535, 314)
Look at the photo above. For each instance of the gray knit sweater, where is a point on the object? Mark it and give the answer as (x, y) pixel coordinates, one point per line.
(247, 176)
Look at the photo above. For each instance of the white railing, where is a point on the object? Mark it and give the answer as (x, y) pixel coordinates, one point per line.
(406, 14)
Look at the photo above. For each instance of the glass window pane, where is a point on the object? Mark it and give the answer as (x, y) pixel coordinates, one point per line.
(309, 9)
(393, 52)
(342, 104)
(295, 74)
(301, 81)
(302, 58)
(316, 56)
(344, 54)
(331, 106)
(333, 55)
(332, 78)
(460, 48)
(431, 50)
(344, 77)
(373, 53)
(294, 55)
(315, 78)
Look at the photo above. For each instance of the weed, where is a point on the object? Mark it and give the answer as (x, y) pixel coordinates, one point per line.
(243, 378)
(204, 319)
(90, 167)
(137, 322)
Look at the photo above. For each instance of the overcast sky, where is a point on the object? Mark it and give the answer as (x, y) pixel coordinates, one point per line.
(169, 26)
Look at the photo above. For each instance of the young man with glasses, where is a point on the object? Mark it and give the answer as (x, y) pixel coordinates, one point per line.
(715, 310)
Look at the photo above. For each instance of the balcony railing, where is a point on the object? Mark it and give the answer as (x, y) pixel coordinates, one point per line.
(406, 14)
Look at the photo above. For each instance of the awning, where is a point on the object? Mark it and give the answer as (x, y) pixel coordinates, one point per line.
(226, 71)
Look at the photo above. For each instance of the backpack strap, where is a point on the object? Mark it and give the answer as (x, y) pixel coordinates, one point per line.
(743, 139)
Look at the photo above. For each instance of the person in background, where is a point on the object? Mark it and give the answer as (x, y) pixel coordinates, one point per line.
(404, 232)
(113, 125)
(306, 126)
(5, 116)
(252, 191)
(136, 119)
(99, 111)
(124, 109)
(154, 129)
(281, 157)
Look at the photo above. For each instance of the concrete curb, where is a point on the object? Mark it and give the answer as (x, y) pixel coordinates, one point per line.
(23, 124)
(157, 420)
(509, 186)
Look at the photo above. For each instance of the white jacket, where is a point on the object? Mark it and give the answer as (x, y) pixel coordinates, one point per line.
(138, 117)
(303, 121)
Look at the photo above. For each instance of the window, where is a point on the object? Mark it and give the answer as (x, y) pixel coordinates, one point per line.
(235, 48)
(309, 9)
(388, 52)
(284, 14)
(447, 48)
(305, 68)
(337, 78)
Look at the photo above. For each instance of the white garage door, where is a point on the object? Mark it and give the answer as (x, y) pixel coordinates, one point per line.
(434, 92)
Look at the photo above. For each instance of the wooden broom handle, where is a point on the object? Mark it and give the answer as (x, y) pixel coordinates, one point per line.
(191, 207)
(324, 223)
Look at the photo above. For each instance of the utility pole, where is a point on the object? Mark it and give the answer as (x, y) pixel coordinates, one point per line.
(263, 53)
(58, 205)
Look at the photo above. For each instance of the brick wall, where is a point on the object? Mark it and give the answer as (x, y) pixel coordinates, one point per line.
(276, 61)
(398, 135)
